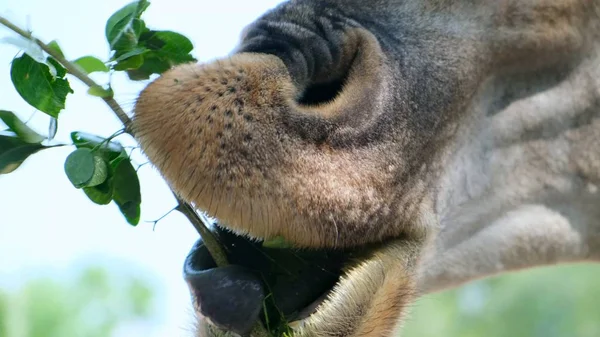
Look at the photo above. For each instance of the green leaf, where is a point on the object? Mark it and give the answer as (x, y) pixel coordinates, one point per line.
(38, 87)
(53, 45)
(101, 194)
(24, 132)
(108, 150)
(124, 27)
(164, 49)
(114, 163)
(127, 186)
(13, 152)
(84, 139)
(111, 152)
(277, 242)
(131, 211)
(84, 169)
(171, 45)
(90, 64)
(151, 65)
(132, 62)
(100, 172)
(126, 192)
(101, 92)
(140, 51)
(80, 166)
(133, 52)
(56, 69)
(9, 140)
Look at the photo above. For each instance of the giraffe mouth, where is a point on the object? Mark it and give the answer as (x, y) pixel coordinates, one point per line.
(280, 286)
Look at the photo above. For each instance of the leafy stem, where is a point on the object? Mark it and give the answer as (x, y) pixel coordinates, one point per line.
(72, 69)
(185, 208)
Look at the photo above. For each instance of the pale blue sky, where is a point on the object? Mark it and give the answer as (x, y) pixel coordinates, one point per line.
(47, 226)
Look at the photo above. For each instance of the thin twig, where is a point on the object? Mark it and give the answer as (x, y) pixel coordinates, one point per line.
(210, 241)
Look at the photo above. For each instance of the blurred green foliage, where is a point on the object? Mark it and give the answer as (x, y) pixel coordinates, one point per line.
(94, 304)
(545, 302)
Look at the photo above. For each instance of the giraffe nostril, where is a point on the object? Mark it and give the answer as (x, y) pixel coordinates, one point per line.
(316, 94)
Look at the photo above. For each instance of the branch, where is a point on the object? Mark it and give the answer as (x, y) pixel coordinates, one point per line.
(202, 227)
(73, 70)
(201, 224)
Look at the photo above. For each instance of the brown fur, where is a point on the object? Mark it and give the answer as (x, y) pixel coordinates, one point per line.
(462, 143)
(231, 110)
